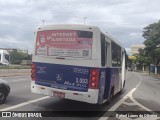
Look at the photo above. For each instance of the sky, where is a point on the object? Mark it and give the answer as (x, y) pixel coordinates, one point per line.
(124, 19)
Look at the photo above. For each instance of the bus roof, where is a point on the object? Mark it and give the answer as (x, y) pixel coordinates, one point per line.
(79, 26)
(66, 26)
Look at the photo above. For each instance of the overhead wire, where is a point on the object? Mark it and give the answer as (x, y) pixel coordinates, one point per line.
(67, 11)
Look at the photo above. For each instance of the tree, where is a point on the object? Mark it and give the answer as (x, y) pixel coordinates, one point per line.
(17, 57)
(142, 59)
(151, 34)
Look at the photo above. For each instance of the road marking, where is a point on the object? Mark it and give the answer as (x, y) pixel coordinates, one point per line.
(18, 76)
(19, 80)
(139, 82)
(128, 95)
(25, 103)
(129, 104)
(131, 97)
(113, 108)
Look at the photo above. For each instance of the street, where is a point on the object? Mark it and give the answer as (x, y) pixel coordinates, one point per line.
(74, 60)
(141, 94)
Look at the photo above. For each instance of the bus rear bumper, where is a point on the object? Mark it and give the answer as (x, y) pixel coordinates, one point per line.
(89, 97)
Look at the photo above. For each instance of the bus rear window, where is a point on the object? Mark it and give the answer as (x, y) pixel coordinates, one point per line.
(64, 43)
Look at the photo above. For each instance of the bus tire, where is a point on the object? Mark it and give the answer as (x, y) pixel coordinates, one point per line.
(122, 90)
(111, 96)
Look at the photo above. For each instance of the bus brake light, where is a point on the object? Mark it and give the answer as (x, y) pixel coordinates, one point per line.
(93, 72)
(33, 72)
(33, 66)
(93, 84)
(94, 77)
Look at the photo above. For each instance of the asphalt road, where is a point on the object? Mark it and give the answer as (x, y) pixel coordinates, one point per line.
(148, 92)
(142, 88)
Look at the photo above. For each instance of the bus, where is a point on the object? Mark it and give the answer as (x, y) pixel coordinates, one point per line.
(77, 62)
(4, 57)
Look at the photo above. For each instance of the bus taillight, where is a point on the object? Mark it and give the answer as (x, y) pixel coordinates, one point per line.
(94, 77)
(33, 71)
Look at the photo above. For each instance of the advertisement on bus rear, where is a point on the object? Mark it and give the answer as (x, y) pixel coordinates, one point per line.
(64, 43)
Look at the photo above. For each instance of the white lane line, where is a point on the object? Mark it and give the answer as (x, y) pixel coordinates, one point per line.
(137, 103)
(131, 97)
(21, 76)
(113, 108)
(129, 104)
(139, 83)
(18, 76)
(19, 80)
(128, 95)
(25, 103)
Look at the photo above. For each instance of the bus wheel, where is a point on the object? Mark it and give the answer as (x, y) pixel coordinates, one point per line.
(111, 96)
(122, 88)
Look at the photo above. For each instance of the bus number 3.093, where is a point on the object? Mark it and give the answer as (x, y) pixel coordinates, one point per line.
(82, 80)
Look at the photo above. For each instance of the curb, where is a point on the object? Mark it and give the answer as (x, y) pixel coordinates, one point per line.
(151, 74)
(13, 74)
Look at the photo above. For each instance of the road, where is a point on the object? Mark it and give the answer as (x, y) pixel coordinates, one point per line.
(142, 93)
(148, 93)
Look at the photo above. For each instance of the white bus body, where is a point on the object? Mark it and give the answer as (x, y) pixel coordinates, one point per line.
(77, 62)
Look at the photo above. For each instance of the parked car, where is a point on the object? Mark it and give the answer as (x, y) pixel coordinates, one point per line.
(4, 90)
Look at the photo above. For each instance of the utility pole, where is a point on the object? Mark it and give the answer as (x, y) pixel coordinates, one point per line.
(43, 22)
(85, 19)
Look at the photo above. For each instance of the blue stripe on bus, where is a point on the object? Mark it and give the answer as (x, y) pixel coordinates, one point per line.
(46, 75)
(112, 78)
(63, 76)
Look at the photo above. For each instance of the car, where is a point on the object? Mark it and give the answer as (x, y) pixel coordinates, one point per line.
(4, 90)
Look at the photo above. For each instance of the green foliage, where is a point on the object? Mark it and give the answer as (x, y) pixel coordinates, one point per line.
(151, 34)
(142, 58)
(17, 57)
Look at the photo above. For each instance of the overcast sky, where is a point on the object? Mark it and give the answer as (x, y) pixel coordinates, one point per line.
(124, 19)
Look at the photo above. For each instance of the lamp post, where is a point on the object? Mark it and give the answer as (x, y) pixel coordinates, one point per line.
(85, 19)
(43, 22)
(157, 46)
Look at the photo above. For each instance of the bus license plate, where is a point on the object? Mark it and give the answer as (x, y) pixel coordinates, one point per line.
(58, 94)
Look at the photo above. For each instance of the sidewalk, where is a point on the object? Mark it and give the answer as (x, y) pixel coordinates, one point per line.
(14, 72)
(151, 74)
(155, 75)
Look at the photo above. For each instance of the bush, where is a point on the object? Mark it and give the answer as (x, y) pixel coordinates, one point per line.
(17, 57)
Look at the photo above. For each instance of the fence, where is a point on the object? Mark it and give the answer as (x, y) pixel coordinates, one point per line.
(152, 69)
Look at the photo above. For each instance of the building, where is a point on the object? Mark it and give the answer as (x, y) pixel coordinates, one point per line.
(15, 50)
(22, 50)
(135, 48)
